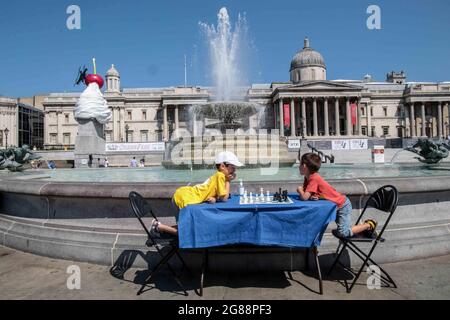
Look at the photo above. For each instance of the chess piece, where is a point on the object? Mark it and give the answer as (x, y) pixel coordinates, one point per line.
(251, 197)
(268, 196)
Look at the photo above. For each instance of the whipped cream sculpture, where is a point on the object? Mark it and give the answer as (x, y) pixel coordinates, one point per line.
(91, 104)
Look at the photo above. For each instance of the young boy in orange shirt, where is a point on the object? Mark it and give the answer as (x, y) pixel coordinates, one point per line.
(315, 187)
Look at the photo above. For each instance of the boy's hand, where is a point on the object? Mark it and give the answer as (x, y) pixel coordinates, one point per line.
(211, 200)
(231, 177)
(314, 197)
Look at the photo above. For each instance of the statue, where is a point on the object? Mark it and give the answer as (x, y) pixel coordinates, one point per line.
(92, 113)
(14, 159)
(430, 152)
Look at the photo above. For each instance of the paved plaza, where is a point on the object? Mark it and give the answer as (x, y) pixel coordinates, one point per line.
(27, 276)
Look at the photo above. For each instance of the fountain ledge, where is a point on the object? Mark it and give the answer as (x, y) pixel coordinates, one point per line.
(93, 222)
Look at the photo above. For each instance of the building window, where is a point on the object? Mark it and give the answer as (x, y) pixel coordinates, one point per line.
(130, 136)
(364, 130)
(372, 131)
(385, 130)
(144, 115)
(144, 136)
(108, 136)
(66, 118)
(66, 138)
(400, 132)
(53, 137)
(371, 111)
(362, 112)
(1, 138)
(385, 111)
(129, 115)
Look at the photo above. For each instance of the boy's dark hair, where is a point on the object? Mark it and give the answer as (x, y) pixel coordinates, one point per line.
(312, 161)
(218, 165)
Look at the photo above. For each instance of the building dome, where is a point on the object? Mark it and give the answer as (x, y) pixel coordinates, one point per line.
(112, 72)
(308, 57)
(308, 65)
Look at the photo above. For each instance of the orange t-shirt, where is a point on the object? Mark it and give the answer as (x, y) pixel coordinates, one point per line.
(316, 185)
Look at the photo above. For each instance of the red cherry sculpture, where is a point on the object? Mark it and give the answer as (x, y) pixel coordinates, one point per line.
(91, 78)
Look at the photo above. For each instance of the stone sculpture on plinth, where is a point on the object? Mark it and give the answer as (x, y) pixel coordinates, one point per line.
(91, 113)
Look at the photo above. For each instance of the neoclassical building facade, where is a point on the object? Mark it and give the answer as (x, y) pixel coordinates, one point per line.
(308, 106)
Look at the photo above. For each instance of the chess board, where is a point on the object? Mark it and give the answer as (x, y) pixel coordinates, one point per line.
(241, 201)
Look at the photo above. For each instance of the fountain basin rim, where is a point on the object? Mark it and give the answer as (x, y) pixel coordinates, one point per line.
(164, 190)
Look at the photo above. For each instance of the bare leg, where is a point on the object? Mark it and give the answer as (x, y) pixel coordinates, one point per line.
(167, 229)
(360, 228)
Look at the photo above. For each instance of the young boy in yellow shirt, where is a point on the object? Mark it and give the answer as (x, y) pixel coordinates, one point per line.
(216, 188)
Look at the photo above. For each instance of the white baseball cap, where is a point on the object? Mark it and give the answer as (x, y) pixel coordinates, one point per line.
(228, 157)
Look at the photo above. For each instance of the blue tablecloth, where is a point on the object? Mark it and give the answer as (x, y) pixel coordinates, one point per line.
(300, 224)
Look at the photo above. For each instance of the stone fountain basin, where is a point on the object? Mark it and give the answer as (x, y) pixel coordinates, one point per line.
(93, 222)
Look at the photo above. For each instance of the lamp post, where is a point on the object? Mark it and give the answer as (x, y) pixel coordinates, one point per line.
(127, 127)
(6, 131)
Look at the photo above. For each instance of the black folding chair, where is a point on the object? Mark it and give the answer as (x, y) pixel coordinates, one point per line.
(384, 199)
(141, 208)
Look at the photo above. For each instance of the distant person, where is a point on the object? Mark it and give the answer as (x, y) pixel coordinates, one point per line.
(142, 163)
(52, 165)
(106, 163)
(91, 159)
(315, 187)
(133, 163)
(101, 163)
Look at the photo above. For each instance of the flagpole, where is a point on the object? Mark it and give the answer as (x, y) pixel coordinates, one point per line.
(185, 72)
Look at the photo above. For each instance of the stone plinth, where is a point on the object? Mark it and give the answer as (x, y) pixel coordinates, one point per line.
(89, 141)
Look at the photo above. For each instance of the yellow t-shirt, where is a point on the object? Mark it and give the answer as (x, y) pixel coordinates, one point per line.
(213, 187)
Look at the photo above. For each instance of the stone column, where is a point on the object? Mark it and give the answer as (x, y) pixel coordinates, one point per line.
(447, 105)
(122, 125)
(424, 132)
(369, 120)
(325, 117)
(293, 134)
(315, 123)
(114, 125)
(412, 117)
(274, 109)
(303, 117)
(348, 117)
(281, 118)
(59, 116)
(177, 124)
(165, 125)
(440, 122)
(336, 116)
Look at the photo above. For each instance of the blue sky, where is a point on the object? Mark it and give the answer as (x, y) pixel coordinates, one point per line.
(147, 40)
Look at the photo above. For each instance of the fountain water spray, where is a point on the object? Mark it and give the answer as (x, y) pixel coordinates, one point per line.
(225, 46)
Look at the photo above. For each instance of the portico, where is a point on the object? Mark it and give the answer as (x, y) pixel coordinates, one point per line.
(318, 109)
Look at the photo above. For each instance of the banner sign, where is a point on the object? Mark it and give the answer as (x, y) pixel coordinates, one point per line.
(359, 144)
(287, 115)
(340, 145)
(354, 110)
(294, 144)
(134, 147)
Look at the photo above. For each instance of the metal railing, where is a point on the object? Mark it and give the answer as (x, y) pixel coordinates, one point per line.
(322, 155)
